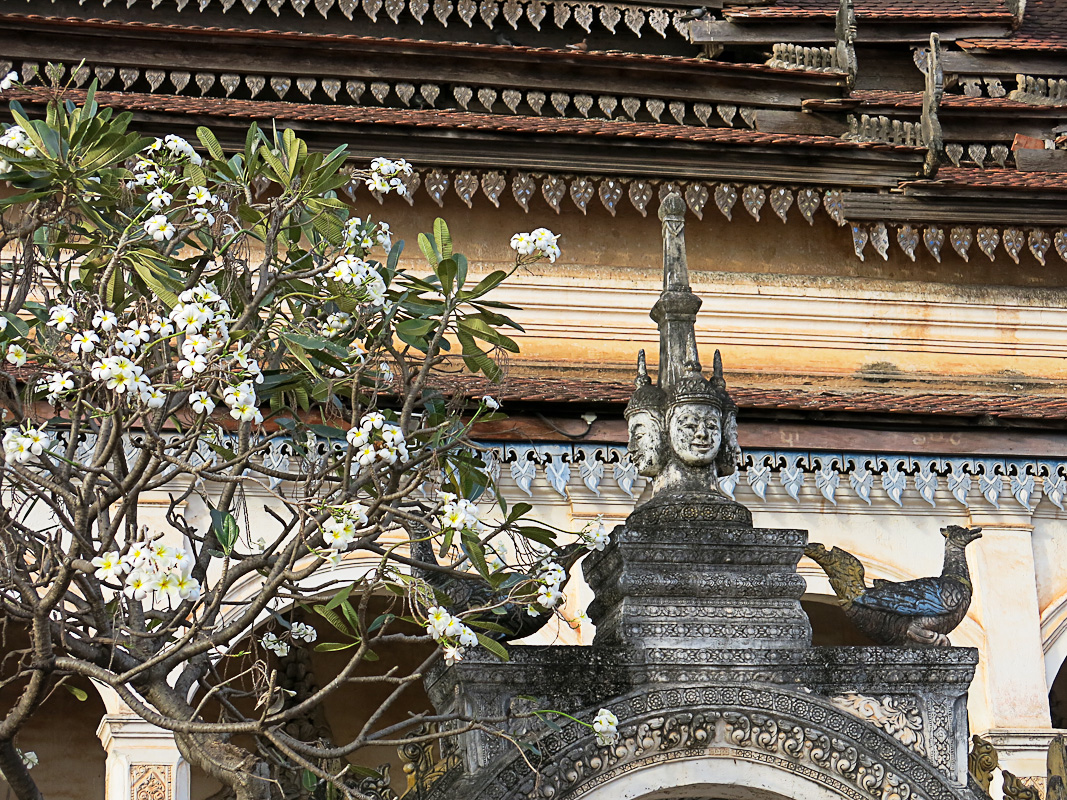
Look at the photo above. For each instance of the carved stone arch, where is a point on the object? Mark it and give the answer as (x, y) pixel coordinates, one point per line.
(723, 779)
(796, 745)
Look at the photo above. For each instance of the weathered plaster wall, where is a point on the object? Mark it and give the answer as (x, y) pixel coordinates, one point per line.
(788, 299)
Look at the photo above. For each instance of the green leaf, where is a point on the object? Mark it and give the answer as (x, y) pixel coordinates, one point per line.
(475, 550)
(380, 621)
(493, 646)
(517, 511)
(446, 271)
(488, 626)
(538, 535)
(429, 250)
(210, 143)
(350, 614)
(309, 780)
(333, 618)
(486, 284)
(365, 772)
(145, 272)
(329, 647)
(80, 694)
(340, 597)
(18, 324)
(442, 238)
(226, 530)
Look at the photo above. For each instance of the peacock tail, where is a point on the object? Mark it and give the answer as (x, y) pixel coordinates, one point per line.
(843, 569)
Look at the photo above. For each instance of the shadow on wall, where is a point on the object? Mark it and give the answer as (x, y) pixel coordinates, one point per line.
(831, 628)
(1057, 698)
(62, 734)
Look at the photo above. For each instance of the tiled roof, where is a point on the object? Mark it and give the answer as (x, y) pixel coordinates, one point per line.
(887, 9)
(959, 177)
(1044, 27)
(452, 120)
(382, 42)
(517, 389)
(914, 100)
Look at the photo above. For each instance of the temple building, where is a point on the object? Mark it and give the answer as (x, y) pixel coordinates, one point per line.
(873, 194)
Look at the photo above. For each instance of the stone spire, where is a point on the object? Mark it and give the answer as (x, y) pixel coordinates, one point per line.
(675, 312)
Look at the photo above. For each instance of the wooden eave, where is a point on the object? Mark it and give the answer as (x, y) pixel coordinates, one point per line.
(577, 155)
(983, 123)
(545, 150)
(756, 31)
(958, 205)
(293, 54)
(998, 63)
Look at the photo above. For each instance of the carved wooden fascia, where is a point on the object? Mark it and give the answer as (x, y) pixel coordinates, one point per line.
(932, 94)
(845, 33)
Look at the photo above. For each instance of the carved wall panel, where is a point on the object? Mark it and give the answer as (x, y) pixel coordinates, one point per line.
(151, 782)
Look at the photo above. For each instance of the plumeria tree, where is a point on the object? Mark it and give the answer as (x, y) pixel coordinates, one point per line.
(218, 330)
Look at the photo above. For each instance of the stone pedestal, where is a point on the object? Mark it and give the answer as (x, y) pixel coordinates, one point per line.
(696, 574)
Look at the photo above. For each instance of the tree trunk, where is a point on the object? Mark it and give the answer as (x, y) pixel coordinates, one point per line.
(233, 766)
(16, 774)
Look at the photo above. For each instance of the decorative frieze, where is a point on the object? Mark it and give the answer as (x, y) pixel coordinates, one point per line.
(810, 59)
(970, 481)
(400, 94)
(611, 191)
(610, 17)
(867, 128)
(1040, 91)
(1014, 241)
(899, 717)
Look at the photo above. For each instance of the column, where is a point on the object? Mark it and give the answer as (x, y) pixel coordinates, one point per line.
(143, 762)
(1006, 600)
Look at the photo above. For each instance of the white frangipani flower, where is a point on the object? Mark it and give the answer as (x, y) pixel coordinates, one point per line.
(61, 317)
(159, 228)
(304, 633)
(201, 403)
(105, 320)
(84, 342)
(606, 726)
(16, 355)
(109, 566)
(159, 198)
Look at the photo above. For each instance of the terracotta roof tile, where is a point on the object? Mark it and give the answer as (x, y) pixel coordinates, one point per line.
(1044, 27)
(427, 46)
(445, 120)
(962, 177)
(877, 9)
(914, 100)
(519, 389)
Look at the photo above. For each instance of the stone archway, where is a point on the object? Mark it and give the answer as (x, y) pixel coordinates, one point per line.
(711, 779)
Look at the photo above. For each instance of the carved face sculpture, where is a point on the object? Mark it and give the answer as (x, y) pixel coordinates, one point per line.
(695, 432)
(647, 449)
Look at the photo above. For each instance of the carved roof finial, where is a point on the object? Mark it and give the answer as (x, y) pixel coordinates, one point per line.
(692, 359)
(646, 397)
(717, 379)
(675, 312)
(642, 378)
(675, 268)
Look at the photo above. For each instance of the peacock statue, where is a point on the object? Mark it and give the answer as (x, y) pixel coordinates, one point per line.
(922, 611)
(465, 593)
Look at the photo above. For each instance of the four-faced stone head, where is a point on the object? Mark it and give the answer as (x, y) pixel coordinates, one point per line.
(695, 431)
(645, 423)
